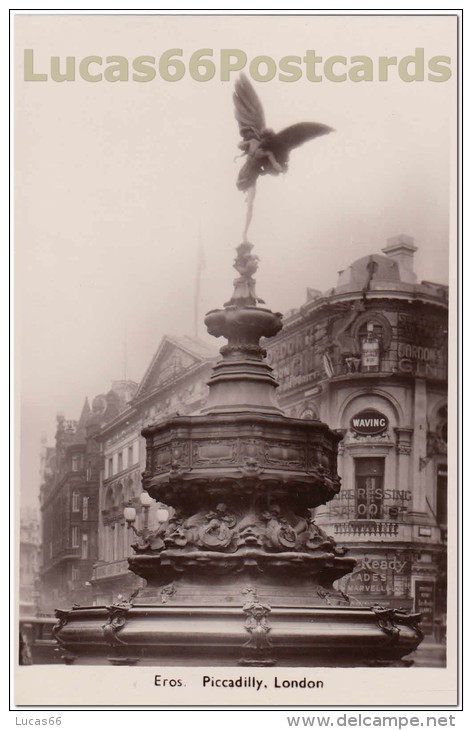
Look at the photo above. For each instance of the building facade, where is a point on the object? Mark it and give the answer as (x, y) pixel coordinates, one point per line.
(69, 506)
(175, 382)
(30, 545)
(369, 357)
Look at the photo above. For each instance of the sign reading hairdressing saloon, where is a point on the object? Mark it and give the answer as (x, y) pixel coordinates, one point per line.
(369, 422)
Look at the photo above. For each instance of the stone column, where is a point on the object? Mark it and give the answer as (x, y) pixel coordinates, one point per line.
(419, 443)
(404, 437)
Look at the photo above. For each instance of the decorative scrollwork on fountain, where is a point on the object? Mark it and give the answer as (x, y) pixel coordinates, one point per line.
(271, 528)
(318, 540)
(116, 621)
(385, 622)
(63, 617)
(257, 650)
(209, 530)
(410, 619)
(68, 657)
(168, 592)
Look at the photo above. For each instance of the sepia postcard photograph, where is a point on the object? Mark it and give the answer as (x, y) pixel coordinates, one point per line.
(236, 472)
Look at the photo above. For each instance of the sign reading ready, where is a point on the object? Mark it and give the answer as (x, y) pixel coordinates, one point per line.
(369, 422)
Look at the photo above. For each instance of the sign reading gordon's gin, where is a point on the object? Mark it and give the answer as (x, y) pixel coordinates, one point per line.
(369, 422)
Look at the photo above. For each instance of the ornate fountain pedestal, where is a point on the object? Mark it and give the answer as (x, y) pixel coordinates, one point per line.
(239, 573)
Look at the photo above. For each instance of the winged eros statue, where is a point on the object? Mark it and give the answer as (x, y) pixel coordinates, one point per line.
(267, 152)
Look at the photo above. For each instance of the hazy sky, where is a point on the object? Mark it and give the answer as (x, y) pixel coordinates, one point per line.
(113, 181)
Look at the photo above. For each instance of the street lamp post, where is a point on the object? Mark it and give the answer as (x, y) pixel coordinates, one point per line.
(129, 512)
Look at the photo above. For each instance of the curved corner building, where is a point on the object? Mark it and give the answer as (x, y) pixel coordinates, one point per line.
(369, 357)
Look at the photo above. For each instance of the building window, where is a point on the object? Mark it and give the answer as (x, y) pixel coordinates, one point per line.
(110, 467)
(369, 488)
(88, 474)
(75, 536)
(400, 585)
(85, 508)
(77, 462)
(84, 546)
(75, 502)
(120, 461)
(110, 542)
(130, 455)
(441, 495)
(75, 573)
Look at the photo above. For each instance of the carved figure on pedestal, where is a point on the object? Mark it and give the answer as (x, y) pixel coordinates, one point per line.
(278, 532)
(246, 265)
(217, 534)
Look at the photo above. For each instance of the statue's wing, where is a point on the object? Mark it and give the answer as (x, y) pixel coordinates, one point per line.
(294, 136)
(247, 108)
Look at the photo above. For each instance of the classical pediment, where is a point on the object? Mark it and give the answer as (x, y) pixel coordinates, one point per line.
(174, 357)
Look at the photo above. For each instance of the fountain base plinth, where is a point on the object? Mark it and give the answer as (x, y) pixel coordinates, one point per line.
(253, 608)
(251, 634)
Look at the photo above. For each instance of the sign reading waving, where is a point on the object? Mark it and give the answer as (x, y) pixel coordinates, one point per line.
(369, 422)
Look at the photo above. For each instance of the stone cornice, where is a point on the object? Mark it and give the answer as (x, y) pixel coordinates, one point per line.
(318, 305)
